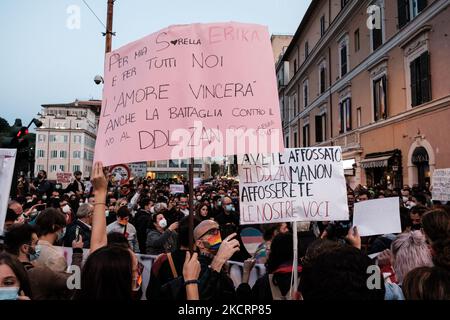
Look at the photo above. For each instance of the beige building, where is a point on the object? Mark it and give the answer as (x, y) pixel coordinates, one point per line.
(371, 77)
(167, 169)
(280, 43)
(66, 140)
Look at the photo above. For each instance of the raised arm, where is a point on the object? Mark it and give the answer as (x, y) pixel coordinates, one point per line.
(100, 185)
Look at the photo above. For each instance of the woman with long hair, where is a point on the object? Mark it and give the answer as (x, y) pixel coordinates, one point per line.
(14, 282)
(111, 272)
(202, 211)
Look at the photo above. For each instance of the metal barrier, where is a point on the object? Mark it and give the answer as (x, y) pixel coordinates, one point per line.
(235, 268)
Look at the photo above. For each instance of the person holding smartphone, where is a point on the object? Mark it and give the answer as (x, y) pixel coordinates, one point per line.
(214, 282)
(81, 226)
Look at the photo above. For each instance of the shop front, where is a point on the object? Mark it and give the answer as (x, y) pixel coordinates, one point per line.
(383, 169)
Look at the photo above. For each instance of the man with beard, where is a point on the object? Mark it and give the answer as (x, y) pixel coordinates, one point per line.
(42, 185)
(77, 186)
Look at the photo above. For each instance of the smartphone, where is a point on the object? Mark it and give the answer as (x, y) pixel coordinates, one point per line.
(40, 207)
(77, 234)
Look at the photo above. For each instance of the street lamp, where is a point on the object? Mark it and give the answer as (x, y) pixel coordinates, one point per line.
(36, 122)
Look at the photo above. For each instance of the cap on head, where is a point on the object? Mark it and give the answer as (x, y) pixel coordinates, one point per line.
(203, 227)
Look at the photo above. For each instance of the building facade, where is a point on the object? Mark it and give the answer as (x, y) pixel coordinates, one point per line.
(168, 169)
(371, 77)
(66, 140)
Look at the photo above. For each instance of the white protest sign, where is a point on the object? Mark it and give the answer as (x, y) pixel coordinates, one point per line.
(197, 182)
(379, 216)
(441, 185)
(305, 184)
(7, 162)
(138, 169)
(176, 188)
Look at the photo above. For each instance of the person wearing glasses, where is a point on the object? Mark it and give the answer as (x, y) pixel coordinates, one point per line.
(214, 252)
(123, 225)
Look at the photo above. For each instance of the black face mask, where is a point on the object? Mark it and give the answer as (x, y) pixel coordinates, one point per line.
(416, 227)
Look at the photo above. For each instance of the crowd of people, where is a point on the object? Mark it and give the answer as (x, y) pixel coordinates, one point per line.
(116, 222)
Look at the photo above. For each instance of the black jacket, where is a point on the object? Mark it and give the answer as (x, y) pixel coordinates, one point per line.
(261, 291)
(142, 222)
(173, 215)
(223, 219)
(73, 187)
(161, 274)
(43, 187)
(218, 286)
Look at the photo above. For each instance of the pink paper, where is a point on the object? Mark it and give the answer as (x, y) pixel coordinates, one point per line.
(197, 90)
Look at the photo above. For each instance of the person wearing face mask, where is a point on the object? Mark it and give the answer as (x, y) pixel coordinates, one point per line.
(184, 205)
(41, 185)
(81, 227)
(229, 214)
(160, 238)
(165, 282)
(143, 220)
(14, 282)
(76, 186)
(45, 283)
(66, 210)
(123, 225)
(214, 252)
(51, 224)
(111, 272)
(216, 206)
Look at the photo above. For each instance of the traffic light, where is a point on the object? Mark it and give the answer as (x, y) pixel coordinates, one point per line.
(16, 139)
(22, 132)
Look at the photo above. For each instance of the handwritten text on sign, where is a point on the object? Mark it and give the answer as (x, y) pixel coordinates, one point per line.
(190, 91)
(441, 185)
(305, 184)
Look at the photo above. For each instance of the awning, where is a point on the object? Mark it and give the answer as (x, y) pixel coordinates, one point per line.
(379, 162)
(348, 164)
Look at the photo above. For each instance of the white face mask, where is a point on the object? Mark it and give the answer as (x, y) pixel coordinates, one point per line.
(66, 209)
(162, 223)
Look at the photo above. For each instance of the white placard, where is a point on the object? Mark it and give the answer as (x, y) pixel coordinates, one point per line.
(176, 188)
(197, 182)
(379, 216)
(306, 184)
(441, 185)
(138, 169)
(7, 162)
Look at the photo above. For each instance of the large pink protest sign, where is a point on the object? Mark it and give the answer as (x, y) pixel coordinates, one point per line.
(200, 90)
